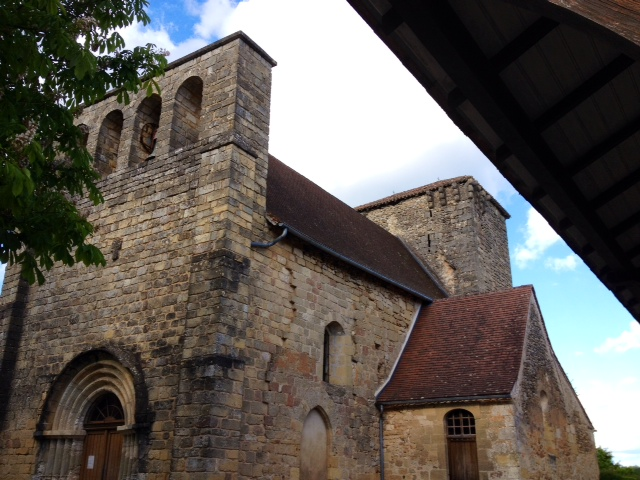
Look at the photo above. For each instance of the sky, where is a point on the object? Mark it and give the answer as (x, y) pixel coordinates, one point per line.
(346, 114)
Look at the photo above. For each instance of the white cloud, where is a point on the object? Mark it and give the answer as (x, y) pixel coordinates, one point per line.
(344, 111)
(628, 340)
(192, 7)
(138, 34)
(570, 262)
(539, 236)
(604, 400)
(213, 15)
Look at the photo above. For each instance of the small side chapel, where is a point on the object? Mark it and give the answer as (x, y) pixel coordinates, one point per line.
(249, 325)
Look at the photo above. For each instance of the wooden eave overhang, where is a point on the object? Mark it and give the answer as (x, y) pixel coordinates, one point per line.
(550, 94)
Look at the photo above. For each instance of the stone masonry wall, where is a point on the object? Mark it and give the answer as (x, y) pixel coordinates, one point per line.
(554, 433)
(224, 341)
(176, 230)
(416, 443)
(299, 291)
(456, 228)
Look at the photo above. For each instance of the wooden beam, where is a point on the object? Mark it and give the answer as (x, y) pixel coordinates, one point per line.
(463, 75)
(583, 92)
(622, 277)
(522, 43)
(626, 224)
(390, 21)
(441, 31)
(615, 190)
(604, 147)
(634, 252)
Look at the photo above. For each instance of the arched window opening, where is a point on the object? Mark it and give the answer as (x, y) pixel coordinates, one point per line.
(314, 447)
(336, 355)
(106, 158)
(145, 130)
(186, 114)
(461, 445)
(87, 427)
(106, 410)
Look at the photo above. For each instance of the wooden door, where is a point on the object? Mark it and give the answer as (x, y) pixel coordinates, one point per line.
(102, 455)
(103, 443)
(461, 445)
(463, 459)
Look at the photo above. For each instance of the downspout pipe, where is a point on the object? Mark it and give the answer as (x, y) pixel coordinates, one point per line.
(272, 243)
(381, 441)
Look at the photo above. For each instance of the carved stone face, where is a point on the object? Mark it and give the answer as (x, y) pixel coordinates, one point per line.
(148, 137)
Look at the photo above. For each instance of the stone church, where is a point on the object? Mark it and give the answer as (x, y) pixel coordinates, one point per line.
(250, 325)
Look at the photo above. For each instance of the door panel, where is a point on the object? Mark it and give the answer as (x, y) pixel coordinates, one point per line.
(114, 453)
(94, 455)
(463, 459)
(102, 454)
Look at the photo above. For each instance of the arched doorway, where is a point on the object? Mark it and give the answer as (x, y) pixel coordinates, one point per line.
(461, 445)
(314, 447)
(87, 430)
(103, 444)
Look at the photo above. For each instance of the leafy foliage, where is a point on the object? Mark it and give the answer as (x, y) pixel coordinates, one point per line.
(610, 470)
(55, 56)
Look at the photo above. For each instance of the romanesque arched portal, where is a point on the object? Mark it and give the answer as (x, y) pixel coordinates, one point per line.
(87, 429)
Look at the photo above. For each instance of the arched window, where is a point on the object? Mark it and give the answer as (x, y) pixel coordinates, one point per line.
(106, 158)
(87, 422)
(461, 445)
(145, 129)
(314, 447)
(186, 114)
(336, 355)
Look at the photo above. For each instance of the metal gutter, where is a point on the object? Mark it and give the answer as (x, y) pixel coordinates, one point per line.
(381, 441)
(353, 263)
(428, 401)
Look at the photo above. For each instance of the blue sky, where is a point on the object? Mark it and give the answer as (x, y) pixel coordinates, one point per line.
(346, 114)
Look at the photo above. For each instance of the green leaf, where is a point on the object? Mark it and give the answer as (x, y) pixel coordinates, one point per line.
(46, 73)
(16, 188)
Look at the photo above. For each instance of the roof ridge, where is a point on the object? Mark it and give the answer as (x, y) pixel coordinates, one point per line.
(473, 296)
(416, 192)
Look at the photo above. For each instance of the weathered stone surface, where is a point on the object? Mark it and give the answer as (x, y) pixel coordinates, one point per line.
(456, 228)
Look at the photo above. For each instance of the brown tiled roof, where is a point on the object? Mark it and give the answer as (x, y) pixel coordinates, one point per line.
(316, 216)
(416, 192)
(462, 348)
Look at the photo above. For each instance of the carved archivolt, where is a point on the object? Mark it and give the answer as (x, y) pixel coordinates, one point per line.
(62, 429)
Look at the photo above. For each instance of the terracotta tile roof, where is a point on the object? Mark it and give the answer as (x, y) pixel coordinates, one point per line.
(316, 216)
(416, 192)
(462, 347)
